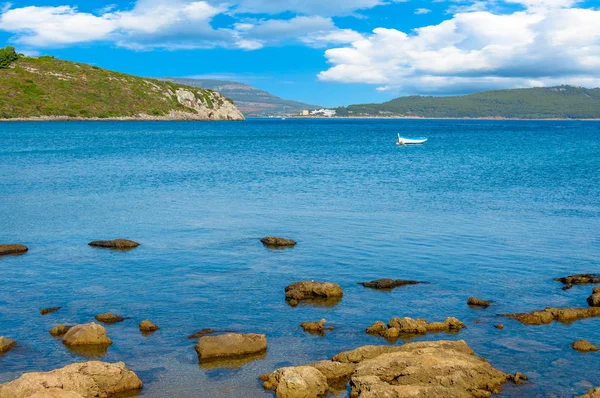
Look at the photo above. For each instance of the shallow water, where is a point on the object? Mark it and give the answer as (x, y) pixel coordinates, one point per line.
(494, 209)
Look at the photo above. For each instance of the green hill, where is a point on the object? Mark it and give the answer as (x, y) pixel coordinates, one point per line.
(47, 87)
(252, 101)
(564, 102)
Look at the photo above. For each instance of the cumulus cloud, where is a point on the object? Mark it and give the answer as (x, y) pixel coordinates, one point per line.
(477, 50)
(422, 11)
(308, 7)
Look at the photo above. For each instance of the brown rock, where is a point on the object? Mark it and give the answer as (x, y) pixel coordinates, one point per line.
(109, 318)
(388, 284)
(208, 331)
(548, 315)
(120, 244)
(475, 302)
(311, 290)
(147, 326)
(593, 393)
(12, 249)
(272, 241)
(87, 334)
(6, 344)
(409, 326)
(337, 373)
(518, 378)
(89, 379)
(581, 279)
(315, 327)
(59, 330)
(594, 300)
(425, 369)
(377, 328)
(584, 346)
(499, 326)
(46, 311)
(231, 345)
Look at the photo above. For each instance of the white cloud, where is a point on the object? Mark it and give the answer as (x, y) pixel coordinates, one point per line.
(422, 11)
(477, 50)
(308, 7)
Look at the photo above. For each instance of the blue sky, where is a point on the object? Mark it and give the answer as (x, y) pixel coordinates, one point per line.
(326, 52)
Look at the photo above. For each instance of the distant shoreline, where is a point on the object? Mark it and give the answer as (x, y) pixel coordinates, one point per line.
(436, 118)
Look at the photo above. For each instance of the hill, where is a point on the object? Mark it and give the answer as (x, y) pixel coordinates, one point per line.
(561, 102)
(50, 88)
(252, 101)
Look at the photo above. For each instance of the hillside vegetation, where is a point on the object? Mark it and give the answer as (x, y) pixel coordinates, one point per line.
(49, 87)
(564, 102)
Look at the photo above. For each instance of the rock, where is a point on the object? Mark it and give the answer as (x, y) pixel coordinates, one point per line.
(499, 326)
(548, 315)
(297, 382)
(475, 302)
(121, 244)
(6, 344)
(146, 327)
(409, 326)
(594, 300)
(230, 345)
(59, 330)
(596, 290)
(46, 311)
(89, 379)
(272, 241)
(518, 378)
(87, 334)
(207, 331)
(584, 346)
(581, 279)
(12, 249)
(315, 327)
(109, 318)
(425, 369)
(593, 393)
(311, 290)
(388, 284)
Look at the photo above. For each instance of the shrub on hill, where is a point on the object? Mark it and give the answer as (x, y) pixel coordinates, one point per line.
(7, 56)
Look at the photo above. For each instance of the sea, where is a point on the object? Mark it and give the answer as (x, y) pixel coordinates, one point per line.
(492, 209)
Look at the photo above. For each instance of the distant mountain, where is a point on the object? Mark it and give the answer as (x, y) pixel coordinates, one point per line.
(561, 102)
(252, 101)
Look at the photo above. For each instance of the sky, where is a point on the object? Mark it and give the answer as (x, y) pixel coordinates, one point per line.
(323, 52)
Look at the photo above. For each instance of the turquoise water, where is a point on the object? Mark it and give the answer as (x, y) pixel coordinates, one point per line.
(494, 209)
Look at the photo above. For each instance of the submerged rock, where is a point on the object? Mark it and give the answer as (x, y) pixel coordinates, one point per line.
(46, 311)
(147, 327)
(436, 369)
(313, 291)
(59, 330)
(581, 279)
(409, 326)
(593, 393)
(316, 327)
(87, 334)
(89, 379)
(207, 332)
(475, 302)
(272, 241)
(388, 284)
(6, 344)
(548, 315)
(109, 318)
(122, 244)
(230, 345)
(6, 249)
(584, 346)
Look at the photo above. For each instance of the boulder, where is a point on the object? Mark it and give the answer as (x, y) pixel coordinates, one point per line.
(409, 326)
(87, 334)
(499, 326)
(12, 249)
(311, 290)
(594, 299)
(388, 284)
(120, 244)
(89, 379)
(425, 369)
(475, 302)
(109, 318)
(549, 315)
(519, 378)
(59, 330)
(230, 345)
(6, 344)
(272, 241)
(147, 327)
(315, 327)
(584, 346)
(593, 393)
(581, 279)
(46, 311)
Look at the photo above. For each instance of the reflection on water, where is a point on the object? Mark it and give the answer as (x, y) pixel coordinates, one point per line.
(486, 209)
(238, 362)
(89, 351)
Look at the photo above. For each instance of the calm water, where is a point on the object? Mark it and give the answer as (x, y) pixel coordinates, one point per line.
(491, 209)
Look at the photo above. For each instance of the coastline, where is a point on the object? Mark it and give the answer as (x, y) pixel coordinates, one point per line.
(436, 118)
(145, 118)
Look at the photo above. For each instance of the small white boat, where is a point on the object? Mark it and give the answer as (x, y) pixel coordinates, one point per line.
(410, 141)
